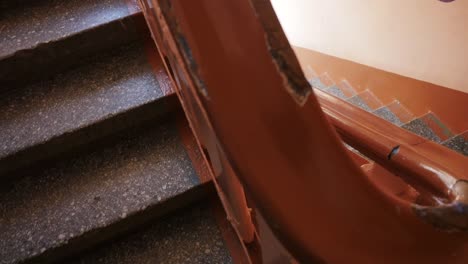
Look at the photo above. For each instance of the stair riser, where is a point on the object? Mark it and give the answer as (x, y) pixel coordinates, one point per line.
(80, 138)
(127, 225)
(47, 59)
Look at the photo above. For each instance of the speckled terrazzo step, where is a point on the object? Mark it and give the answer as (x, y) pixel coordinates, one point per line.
(421, 128)
(113, 92)
(386, 114)
(321, 82)
(40, 38)
(439, 128)
(335, 91)
(79, 202)
(366, 100)
(458, 143)
(359, 102)
(317, 83)
(342, 90)
(429, 126)
(190, 236)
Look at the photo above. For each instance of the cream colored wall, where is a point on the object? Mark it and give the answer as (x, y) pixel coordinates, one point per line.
(422, 39)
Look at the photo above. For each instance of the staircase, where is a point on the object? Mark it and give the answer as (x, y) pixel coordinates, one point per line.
(96, 160)
(428, 125)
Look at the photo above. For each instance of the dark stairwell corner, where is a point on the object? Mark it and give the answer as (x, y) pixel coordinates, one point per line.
(96, 158)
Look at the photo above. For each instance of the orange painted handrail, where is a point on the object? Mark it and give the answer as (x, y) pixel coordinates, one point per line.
(428, 166)
(261, 128)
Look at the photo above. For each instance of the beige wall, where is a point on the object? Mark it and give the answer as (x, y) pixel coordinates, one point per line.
(422, 39)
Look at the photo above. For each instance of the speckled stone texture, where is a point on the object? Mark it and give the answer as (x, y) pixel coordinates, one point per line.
(359, 102)
(437, 126)
(42, 21)
(346, 88)
(388, 115)
(317, 83)
(458, 143)
(44, 37)
(111, 85)
(47, 209)
(419, 127)
(335, 91)
(190, 236)
(400, 111)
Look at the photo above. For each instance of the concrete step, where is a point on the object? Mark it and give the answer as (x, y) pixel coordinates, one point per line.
(346, 88)
(366, 100)
(439, 128)
(387, 114)
(458, 143)
(399, 110)
(188, 236)
(317, 83)
(335, 91)
(41, 38)
(427, 126)
(75, 203)
(420, 127)
(321, 82)
(342, 90)
(114, 91)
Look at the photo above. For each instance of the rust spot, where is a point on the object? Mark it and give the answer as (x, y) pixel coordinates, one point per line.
(282, 54)
(449, 218)
(298, 89)
(452, 217)
(166, 9)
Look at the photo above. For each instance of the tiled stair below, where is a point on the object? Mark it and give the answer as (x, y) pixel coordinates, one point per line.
(428, 126)
(458, 143)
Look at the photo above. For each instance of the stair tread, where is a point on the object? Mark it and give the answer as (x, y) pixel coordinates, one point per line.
(387, 114)
(27, 26)
(359, 102)
(336, 91)
(419, 127)
(188, 236)
(76, 99)
(317, 83)
(458, 143)
(436, 125)
(403, 114)
(346, 88)
(48, 208)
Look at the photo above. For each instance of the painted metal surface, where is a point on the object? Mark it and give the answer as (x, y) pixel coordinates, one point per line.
(262, 129)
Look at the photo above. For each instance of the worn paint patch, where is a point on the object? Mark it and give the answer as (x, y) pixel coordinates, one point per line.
(451, 217)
